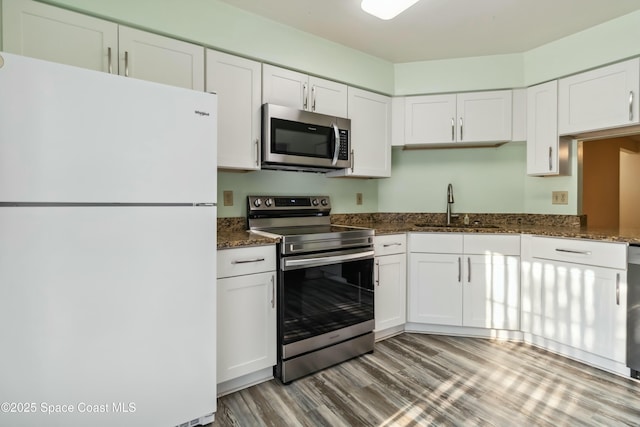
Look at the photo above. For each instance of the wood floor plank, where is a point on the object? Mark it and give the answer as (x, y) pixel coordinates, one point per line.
(429, 380)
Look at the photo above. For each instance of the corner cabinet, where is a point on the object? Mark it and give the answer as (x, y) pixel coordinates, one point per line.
(390, 284)
(470, 280)
(46, 32)
(370, 115)
(603, 98)
(474, 118)
(246, 313)
(547, 154)
(237, 81)
(289, 88)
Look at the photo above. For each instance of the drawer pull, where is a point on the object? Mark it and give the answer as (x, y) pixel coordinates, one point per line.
(247, 261)
(386, 245)
(571, 251)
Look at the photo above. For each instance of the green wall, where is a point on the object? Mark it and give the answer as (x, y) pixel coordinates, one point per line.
(484, 179)
(342, 191)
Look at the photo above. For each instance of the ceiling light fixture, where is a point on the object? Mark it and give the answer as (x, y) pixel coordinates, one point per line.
(386, 9)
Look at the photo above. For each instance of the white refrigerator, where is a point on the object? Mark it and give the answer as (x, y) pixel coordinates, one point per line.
(107, 249)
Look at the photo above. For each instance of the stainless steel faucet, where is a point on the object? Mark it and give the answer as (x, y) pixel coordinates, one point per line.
(449, 203)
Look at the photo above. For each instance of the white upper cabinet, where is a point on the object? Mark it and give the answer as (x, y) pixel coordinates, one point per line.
(160, 59)
(519, 119)
(370, 115)
(303, 92)
(237, 81)
(475, 118)
(45, 32)
(53, 34)
(603, 98)
(545, 154)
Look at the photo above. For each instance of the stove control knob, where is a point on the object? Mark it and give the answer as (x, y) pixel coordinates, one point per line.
(314, 202)
(268, 203)
(257, 203)
(324, 202)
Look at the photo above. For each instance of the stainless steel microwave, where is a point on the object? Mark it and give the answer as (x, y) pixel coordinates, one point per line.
(304, 141)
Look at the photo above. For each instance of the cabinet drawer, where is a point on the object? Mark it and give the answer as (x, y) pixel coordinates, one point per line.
(589, 252)
(483, 243)
(390, 244)
(241, 261)
(441, 243)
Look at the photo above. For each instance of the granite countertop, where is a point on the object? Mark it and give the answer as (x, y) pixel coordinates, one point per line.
(631, 236)
(232, 232)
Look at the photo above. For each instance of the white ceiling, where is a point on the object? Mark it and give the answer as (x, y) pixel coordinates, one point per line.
(441, 29)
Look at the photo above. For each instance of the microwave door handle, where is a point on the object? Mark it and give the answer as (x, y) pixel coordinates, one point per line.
(336, 150)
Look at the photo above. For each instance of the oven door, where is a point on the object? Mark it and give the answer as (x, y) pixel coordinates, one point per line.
(324, 299)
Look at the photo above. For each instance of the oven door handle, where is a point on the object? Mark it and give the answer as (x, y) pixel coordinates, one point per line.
(318, 260)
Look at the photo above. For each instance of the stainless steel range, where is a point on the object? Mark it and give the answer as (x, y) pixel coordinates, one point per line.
(325, 283)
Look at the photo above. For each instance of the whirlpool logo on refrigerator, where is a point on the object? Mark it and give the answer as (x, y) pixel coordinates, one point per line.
(202, 113)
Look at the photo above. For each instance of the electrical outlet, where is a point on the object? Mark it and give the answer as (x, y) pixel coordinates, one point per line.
(228, 197)
(358, 198)
(560, 197)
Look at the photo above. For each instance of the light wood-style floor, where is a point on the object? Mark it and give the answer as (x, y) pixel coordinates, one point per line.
(417, 380)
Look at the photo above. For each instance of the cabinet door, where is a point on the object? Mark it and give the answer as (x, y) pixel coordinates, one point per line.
(542, 129)
(599, 99)
(237, 81)
(391, 291)
(484, 116)
(327, 97)
(284, 87)
(491, 291)
(585, 307)
(246, 319)
(45, 32)
(370, 116)
(160, 59)
(430, 119)
(435, 289)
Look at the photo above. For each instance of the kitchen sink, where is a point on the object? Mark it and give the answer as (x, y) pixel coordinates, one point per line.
(426, 225)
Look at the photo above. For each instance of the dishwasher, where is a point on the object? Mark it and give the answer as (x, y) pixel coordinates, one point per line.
(633, 312)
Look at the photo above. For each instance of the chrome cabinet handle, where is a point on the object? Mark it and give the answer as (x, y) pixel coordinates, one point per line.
(550, 158)
(247, 261)
(461, 129)
(386, 245)
(453, 129)
(313, 98)
(378, 273)
(459, 269)
(469, 269)
(126, 64)
(304, 96)
(631, 106)
(273, 292)
(257, 152)
(572, 251)
(617, 288)
(109, 58)
(353, 156)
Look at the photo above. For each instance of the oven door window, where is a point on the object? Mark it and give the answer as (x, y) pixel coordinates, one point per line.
(300, 139)
(317, 300)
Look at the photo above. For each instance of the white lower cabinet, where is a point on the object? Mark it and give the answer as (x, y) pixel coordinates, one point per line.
(246, 311)
(580, 290)
(390, 283)
(469, 280)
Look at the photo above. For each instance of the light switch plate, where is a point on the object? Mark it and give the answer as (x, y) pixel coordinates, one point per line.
(358, 198)
(228, 197)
